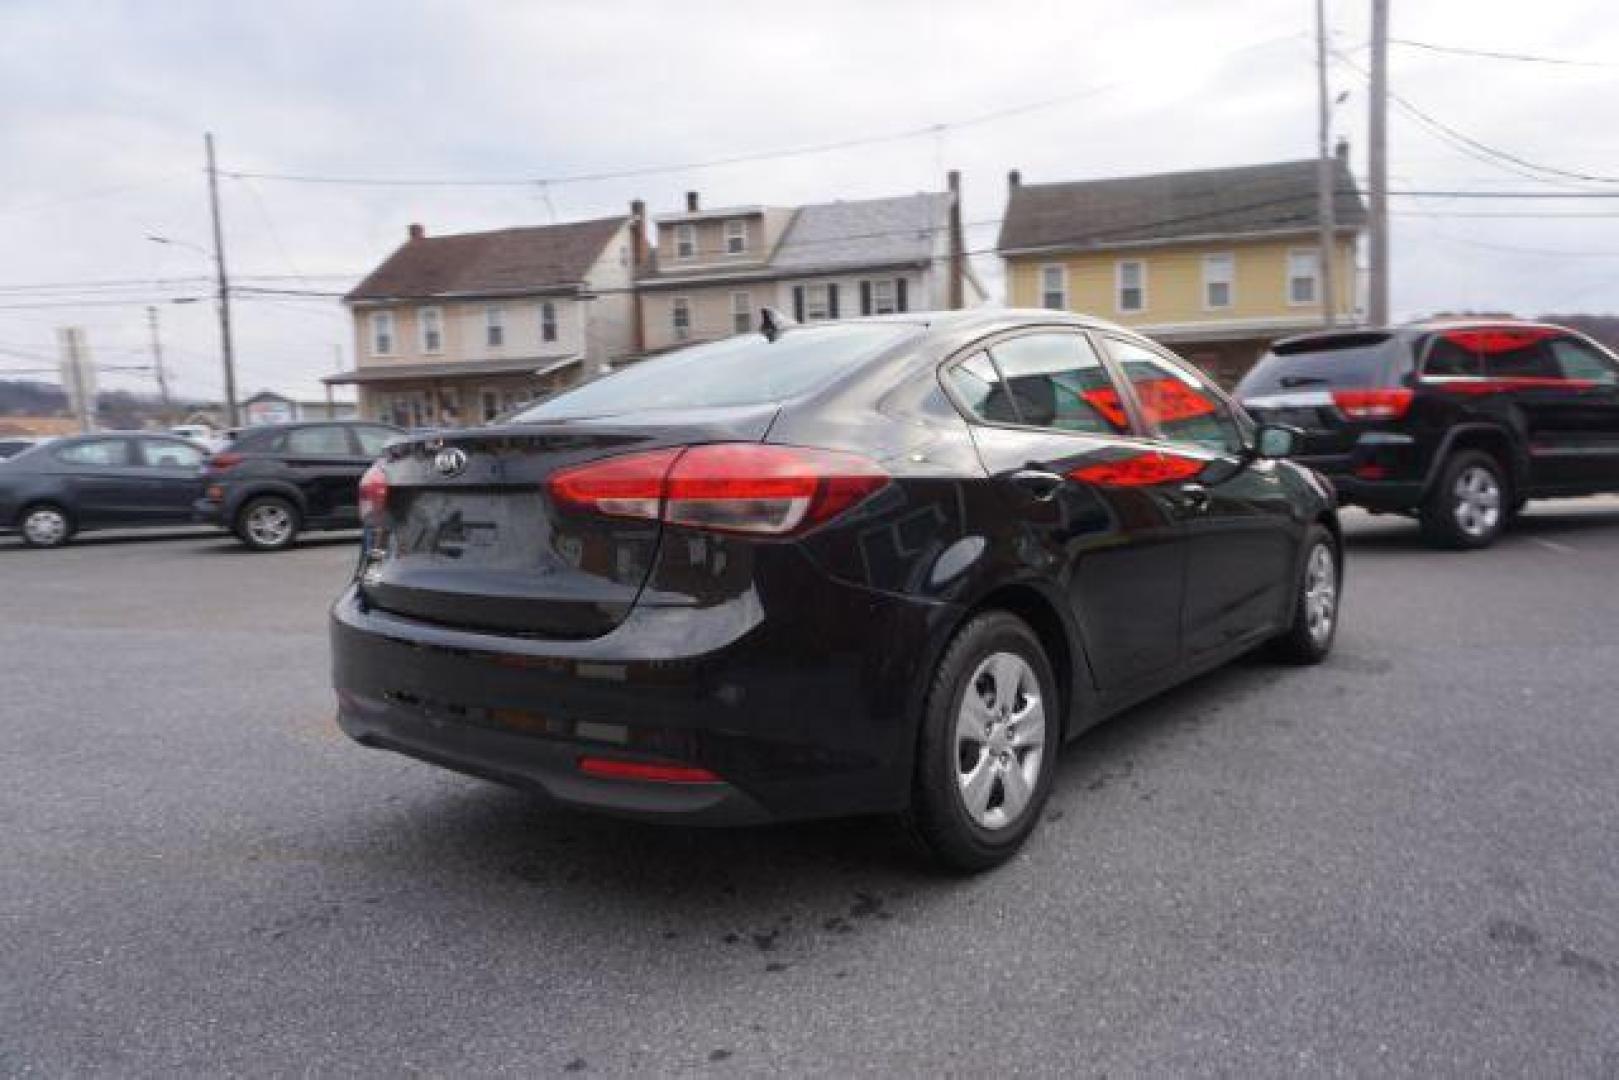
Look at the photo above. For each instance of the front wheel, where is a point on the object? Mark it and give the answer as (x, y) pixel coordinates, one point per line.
(45, 526)
(1309, 637)
(267, 523)
(988, 745)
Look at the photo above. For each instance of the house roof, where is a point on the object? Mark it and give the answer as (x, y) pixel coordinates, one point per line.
(503, 262)
(865, 232)
(1248, 199)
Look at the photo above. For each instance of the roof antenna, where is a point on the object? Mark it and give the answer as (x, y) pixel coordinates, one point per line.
(772, 323)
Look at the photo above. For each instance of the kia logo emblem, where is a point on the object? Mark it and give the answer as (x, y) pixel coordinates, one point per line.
(451, 461)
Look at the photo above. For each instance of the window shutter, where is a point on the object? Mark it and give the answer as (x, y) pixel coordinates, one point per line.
(798, 303)
(899, 295)
(865, 298)
(832, 301)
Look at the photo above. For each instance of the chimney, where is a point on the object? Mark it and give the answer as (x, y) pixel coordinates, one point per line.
(691, 202)
(637, 266)
(416, 230)
(958, 255)
(1014, 179)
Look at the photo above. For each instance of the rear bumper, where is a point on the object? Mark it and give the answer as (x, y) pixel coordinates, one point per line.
(808, 715)
(1377, 477)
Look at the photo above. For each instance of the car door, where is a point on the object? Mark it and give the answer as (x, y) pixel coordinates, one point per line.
(1241, 536)
(1523, 383)
(326, 465)
(1091, 505)
(171, 476)
(99, 479)
(1585, 414)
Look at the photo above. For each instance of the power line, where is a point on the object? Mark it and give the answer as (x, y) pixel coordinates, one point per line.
(1489, 54)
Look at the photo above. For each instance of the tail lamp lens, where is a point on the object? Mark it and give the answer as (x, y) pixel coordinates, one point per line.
(1389, 404)
(744, 488)
(373, 494)
(651, 771)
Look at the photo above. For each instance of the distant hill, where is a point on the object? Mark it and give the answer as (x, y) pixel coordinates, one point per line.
(114, 408)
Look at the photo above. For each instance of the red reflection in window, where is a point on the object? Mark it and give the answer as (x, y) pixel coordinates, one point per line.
(1498, 340)
(1167, 401)
(1476, 387)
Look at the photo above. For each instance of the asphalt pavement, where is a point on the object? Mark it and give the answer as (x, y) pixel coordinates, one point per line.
(1404, 862)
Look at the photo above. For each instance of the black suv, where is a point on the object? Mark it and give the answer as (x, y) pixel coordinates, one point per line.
(1458, 423)
(278, 480)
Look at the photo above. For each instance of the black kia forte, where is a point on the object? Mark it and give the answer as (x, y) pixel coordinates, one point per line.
(875, 566)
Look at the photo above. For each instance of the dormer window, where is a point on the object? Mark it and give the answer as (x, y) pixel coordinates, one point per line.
(736, 236)
(686, 241)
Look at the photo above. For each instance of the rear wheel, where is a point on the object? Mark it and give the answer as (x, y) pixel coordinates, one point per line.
(1309, 638)
(1468, 507)
(988, 745)
(45, 525)
(267, 523)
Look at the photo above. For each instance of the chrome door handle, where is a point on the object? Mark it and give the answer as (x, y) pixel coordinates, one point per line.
(1039, 483)
(1195, 496)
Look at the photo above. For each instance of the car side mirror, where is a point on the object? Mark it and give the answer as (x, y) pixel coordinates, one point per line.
(1277, 441)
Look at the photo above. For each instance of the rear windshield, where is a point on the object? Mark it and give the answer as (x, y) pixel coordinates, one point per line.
(744, 370)
(1348, 361)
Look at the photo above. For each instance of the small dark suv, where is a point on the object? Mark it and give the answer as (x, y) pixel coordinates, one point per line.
(1457, 423)
(276, 481)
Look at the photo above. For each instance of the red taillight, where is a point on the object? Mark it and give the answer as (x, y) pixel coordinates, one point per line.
(373, 494)
(618, 769)
(1389, 404)
(227, 460)
(728, 487)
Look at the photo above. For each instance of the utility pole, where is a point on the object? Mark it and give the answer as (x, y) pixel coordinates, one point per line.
(1378, 165)
(227, 353)
(1324, 168)
(157, 366)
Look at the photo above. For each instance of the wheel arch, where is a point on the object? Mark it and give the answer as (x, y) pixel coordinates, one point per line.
(1059, 640)
(1491, 439)
(279, 488)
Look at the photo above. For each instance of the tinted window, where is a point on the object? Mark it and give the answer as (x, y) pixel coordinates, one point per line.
(1578, 360)
(95, 452)
(742, 370)
(1054, 381)
(1325, 363)
(979, 387)
(374, 440)
(163, 454)
(1451, 358)
(1532, 359)
(326, 441)
(1182, 407)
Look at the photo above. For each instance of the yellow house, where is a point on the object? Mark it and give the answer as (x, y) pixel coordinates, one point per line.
(1216, 263)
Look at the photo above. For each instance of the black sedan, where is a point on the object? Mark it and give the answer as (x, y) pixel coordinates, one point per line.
(54, 489)
(877, 566)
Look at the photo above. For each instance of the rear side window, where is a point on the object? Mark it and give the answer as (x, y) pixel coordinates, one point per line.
(163, 454)
(1525, 360)
(1058, 381)
(1343, 361)
(323, 441)
(746, 369)
(374, 440)
(1448, 358)
(96, 452)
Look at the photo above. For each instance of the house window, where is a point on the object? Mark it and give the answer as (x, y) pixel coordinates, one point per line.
(680, 318)
(494, 327)
(817, 303)
(882, 297)
(548, 321)
(1054, 287)
(686, 241)
(432, 326)
(1132, 285)
(741, 312)
(382, 333)
(1303, 270)
(1219, 279)
(736, 236)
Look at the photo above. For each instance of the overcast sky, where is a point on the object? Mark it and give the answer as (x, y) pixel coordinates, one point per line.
(103, 108)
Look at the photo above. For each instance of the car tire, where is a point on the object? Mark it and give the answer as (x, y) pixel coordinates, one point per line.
(1469, 506)
(268, 523)
(1317, 602)
(987, 751)
(45, 525)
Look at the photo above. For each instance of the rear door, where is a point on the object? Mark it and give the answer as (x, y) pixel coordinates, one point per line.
(1241, 536)
(326, 464)
(1098, 506)
(171, 476)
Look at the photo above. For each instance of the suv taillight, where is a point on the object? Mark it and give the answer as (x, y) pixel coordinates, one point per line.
(1389, 404)
(726, 487)
(373, 494)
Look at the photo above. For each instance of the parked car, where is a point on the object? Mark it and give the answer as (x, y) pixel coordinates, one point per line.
(273, 482)
(10, 447)
(108, 480)
(197, 433)
(1457, 423)
(881, 565)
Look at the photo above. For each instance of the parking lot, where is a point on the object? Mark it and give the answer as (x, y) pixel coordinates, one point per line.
(1405, 861)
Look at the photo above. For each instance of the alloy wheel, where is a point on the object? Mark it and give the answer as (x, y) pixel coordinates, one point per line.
(45, 526)
(269, 524)
(1000, 740)
(1320, 593)
(1477, 496)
